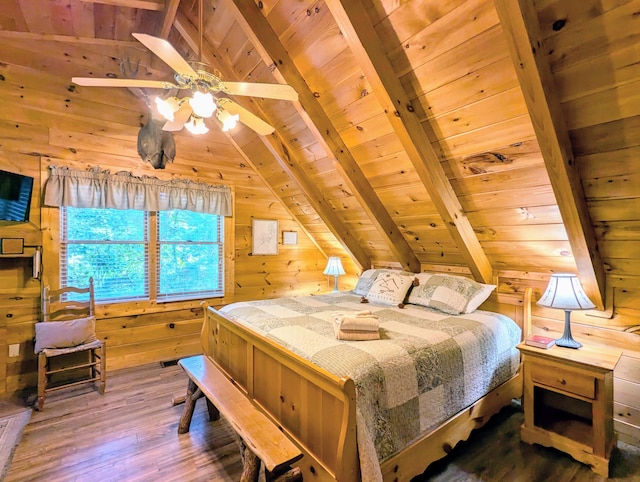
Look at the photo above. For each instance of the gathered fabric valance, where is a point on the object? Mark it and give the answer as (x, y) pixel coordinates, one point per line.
(96, 188)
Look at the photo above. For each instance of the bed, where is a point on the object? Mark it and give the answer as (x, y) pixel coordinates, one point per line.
(379, 409)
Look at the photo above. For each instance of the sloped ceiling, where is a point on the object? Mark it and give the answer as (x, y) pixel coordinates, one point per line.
(427, 132)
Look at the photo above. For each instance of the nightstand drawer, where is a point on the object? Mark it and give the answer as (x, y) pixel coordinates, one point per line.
(565, 380)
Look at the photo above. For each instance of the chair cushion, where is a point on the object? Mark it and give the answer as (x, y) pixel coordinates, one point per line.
(64, 334)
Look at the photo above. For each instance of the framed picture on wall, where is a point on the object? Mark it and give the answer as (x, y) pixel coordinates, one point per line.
(289, 237)
(264, 236)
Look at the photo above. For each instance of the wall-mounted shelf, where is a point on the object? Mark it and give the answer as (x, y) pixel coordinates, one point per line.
(28, 252)
(33, 252)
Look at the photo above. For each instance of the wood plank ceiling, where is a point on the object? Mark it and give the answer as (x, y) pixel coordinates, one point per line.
(428, 132)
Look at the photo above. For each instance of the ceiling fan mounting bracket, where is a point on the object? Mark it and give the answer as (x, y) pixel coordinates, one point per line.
(203, 81)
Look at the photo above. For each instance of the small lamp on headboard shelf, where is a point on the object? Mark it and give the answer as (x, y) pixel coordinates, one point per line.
(335, 269)
(564, 292)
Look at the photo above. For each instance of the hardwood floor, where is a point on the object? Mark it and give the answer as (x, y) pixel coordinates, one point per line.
(130, 434)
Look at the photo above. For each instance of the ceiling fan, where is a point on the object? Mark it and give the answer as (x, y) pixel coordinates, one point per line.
(205, 88)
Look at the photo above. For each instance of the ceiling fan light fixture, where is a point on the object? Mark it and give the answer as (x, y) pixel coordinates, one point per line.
(203, 105)
(196, 125)
(228, 120)
(167, 107)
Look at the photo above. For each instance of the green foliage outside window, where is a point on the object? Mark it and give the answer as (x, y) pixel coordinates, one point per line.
(115, 247)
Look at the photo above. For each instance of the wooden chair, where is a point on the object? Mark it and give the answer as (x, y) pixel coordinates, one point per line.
(68, 351)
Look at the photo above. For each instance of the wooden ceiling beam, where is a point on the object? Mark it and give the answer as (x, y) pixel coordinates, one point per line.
(281, 151)
(271, 50)
(355, 24)
(155, 5)
(44, 37)
(521, 27)
(169, 17)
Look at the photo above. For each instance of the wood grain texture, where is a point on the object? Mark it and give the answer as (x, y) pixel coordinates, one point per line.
(138, 439)
(457, 74)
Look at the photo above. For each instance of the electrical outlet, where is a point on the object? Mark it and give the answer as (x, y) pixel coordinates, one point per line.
(14, 350)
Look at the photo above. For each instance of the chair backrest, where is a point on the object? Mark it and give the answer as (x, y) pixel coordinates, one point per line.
(57, 306)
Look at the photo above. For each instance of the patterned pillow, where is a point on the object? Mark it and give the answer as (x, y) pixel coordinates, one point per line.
(451, 294)
(368, 277)
(64, 334)
(390, 288)
(366, 281)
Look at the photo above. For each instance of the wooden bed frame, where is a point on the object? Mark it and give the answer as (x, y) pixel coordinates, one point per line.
(316, 409)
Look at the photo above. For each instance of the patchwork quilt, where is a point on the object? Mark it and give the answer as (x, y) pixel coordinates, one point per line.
(426, 367)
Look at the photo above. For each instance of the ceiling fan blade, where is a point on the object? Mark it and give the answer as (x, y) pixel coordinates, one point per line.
(179, 118)
(248, 119)
(167, 53)
(267, 91)
(93, 82)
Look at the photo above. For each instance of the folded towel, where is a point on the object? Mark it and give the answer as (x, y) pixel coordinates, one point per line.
(352, 335)
(358, 323)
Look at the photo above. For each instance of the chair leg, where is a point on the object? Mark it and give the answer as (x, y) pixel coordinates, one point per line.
(42, 380)
(103, 366)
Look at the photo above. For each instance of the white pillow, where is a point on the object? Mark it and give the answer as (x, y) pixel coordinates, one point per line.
(64, 334)
(390, 288)
(448, 293)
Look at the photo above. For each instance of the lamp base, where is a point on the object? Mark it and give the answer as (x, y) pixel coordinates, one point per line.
(567, 340)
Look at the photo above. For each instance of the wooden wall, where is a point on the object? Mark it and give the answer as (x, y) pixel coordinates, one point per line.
(45, 122)
(340, 158)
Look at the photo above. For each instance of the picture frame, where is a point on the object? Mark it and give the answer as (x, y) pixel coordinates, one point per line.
(264, 236)
(289, 237)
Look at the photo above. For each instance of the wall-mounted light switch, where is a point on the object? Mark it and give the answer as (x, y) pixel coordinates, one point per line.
(14, 350)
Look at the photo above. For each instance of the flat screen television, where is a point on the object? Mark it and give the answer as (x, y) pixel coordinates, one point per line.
(15, 196)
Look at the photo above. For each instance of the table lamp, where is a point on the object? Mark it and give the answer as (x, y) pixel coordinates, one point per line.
(335, 269)
(564, 292)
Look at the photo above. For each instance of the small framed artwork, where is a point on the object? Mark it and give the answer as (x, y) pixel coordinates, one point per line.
(264, 239)
(289, 237)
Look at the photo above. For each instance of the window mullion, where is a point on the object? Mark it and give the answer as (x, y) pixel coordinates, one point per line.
(153, 249)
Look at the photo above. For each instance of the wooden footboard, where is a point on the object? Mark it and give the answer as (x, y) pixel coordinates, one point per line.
(315, 408)
(318, 410)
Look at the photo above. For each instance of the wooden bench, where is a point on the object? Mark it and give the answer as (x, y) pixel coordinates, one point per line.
(261, 440)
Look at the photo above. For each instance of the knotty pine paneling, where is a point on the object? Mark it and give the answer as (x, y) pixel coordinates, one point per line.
(57, 126)
(453, 61)
(592, 51)
(441, 37)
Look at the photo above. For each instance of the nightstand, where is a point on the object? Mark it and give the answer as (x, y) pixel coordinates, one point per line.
(568, 401)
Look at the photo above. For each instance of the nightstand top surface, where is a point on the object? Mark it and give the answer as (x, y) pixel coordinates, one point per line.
(601, 357)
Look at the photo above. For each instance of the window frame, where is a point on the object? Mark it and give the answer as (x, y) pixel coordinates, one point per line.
(152, 253)
(162, 298)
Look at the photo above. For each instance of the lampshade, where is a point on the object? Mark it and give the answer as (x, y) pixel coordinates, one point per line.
(228, 120)
(202, 104)
(167, 107)
(334, 267)
(196, 125)
(565, 292)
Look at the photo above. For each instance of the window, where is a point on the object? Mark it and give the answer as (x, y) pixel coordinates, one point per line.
(138, 255)
(190, 254)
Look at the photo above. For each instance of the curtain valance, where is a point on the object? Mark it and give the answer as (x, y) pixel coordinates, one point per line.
(96, 188)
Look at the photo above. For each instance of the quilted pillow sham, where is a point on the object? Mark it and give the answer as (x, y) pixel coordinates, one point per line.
(450, 294)
(390, 288)
(64, 334)
(368, 277)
